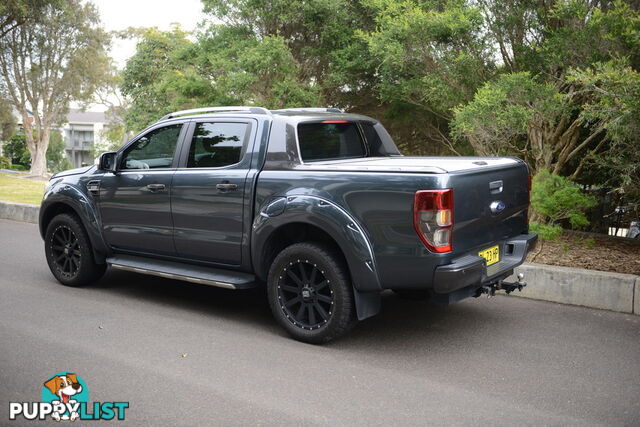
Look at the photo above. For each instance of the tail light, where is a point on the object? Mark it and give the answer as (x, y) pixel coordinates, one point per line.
(433, 219)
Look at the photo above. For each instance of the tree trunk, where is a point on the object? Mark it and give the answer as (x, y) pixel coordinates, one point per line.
(38, 162)
(39, 154)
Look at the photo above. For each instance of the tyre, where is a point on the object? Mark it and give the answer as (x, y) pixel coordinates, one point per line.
(68, 252)
(310, 293)
(412, 294)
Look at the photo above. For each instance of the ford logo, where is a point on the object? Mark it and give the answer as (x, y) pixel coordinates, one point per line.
(497, 206)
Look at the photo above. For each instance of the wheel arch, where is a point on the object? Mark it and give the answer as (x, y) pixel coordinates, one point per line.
(80, 207)
(310, 218)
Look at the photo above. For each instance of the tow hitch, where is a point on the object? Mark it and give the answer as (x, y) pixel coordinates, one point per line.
(508, 287)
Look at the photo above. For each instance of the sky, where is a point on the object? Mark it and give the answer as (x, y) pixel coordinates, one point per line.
(122, 14)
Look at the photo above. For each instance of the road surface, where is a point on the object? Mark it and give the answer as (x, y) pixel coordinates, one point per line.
(195, 355)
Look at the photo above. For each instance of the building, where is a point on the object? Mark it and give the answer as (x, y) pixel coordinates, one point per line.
(81, 133)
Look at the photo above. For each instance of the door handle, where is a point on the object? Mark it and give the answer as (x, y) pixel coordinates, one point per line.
(226, 186)
(156, 187)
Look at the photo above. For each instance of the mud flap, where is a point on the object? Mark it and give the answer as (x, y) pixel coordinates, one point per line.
(367, 303)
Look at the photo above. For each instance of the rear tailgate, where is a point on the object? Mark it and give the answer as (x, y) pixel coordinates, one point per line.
(476, 225)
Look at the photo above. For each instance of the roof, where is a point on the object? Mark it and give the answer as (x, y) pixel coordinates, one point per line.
(78, 116)
(289, 114)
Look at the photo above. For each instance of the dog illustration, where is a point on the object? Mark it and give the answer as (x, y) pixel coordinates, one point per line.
(64, 386)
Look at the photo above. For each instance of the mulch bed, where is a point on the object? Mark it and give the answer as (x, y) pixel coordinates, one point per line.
(593, 252)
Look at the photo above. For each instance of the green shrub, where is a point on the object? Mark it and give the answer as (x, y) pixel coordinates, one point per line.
(56, 158)
(16, 150)
(545, 231)
(4, 163)
(554, 198)
(17, 167)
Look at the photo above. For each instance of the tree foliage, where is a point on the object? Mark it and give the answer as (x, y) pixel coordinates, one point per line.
(548, 113)
(14, 13)
(56, 158)
(615, 107)
(551, 82)
(7, 120)
(48, 62)
(16, 150)
(555, 199)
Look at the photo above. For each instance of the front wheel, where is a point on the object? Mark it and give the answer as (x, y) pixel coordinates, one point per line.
(68, 252)
(310, 293)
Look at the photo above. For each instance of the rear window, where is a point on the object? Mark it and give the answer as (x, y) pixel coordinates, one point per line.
(330, 141)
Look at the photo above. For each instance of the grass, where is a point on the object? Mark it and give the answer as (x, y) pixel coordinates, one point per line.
(20, 190)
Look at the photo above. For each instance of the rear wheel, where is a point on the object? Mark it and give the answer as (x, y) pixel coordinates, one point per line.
(68, 252)
(310, 293)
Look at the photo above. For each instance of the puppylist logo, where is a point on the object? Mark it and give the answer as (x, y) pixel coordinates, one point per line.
(65, 397)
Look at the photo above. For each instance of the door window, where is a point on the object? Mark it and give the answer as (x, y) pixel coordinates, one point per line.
(216, 145)
(154, 150)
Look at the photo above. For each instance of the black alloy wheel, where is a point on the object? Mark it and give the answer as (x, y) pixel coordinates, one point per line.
(68, 252)
(65, 251)
(305, 294)
(310, 292)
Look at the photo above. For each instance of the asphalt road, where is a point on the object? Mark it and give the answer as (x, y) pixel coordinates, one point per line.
(502, 361)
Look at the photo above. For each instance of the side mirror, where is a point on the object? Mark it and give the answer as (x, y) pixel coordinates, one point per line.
(107, 161)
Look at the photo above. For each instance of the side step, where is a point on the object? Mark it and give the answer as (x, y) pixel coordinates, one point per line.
(187, 272)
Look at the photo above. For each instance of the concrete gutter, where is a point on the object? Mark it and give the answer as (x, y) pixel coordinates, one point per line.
(19, 212)
(578, 286)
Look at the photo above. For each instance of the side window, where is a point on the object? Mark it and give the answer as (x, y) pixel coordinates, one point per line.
(216, 145)
(330, 141)
(380, 142)
(154, 150)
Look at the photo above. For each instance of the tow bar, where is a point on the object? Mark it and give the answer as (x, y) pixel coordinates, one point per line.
(508, 287)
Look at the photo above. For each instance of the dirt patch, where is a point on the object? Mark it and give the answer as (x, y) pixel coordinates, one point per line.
(590, 252)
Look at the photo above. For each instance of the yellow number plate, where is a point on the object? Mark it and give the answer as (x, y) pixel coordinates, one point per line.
(492, 255)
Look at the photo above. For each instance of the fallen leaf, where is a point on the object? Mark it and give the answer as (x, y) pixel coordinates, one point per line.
(184, 354)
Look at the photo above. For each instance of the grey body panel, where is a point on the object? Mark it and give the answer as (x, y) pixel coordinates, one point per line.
(135, 217)
(209, 223)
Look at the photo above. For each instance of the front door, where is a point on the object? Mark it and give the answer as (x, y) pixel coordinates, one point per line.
(134, 202)
(207, 195)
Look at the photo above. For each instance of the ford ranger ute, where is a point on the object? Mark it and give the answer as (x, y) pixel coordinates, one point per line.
(317, 205)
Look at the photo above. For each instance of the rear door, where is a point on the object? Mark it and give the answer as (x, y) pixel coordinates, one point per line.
(135, 204)
(208, 190)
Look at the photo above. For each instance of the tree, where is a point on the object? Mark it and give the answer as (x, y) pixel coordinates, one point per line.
(14, 13)
(615, 107)
(16, 150)
(56, 159)
(430, 55)
(554, 199)
(46, 64)
(517, 115)
(547, 114)
(144, 72)
(7, 120)
(114, 133)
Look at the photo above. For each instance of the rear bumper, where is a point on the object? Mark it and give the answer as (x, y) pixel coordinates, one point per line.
(470, 270)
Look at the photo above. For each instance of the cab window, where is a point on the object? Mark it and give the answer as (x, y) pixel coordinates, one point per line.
(154, 150)
(330, 140)
(217, 144)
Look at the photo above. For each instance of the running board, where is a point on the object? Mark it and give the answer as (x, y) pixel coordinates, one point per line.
(187, 272)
